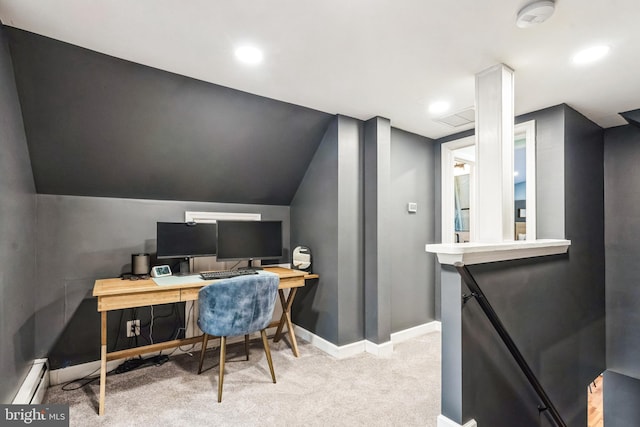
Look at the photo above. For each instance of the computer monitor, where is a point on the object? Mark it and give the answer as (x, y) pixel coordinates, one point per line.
(248, 240)
(185, 240)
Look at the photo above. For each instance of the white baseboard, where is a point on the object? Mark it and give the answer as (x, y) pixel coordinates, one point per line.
(74, 372)
(35, 384)
(339, 352)
(381, 350)
(63, 375)
(416, 331)
(384, 349)
(443, 421)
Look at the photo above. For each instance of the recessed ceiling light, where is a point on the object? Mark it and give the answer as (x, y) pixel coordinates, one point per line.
(590, 55)
(516, 173)
(250, 55)
(439, 107)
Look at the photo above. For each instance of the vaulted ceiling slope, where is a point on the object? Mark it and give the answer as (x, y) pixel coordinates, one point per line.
(632, 117)
(101, 126)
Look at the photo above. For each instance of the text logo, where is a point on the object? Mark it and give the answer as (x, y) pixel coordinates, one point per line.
(34, 415)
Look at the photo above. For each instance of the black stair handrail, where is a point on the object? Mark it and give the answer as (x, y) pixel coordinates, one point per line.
(506, 338)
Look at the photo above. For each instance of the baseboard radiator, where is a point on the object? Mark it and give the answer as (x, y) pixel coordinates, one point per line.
(35, 384)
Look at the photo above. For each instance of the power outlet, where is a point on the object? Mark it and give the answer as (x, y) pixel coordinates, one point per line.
(133, 328)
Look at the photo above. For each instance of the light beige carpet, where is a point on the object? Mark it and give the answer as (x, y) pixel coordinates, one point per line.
(313, 390)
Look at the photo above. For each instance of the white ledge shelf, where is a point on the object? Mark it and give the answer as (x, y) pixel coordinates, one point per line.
(479, 253)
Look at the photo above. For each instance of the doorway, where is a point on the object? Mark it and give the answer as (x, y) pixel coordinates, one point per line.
(455, 155)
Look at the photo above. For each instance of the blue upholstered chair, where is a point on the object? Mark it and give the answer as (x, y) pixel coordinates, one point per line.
(237, 306)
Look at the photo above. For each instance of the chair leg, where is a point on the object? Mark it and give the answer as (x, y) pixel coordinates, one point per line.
(246, 346)
(267, 351)
(205, 338)
(223, 350)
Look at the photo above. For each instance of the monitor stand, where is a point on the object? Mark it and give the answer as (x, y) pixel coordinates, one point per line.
(250, 266)
(184, 267)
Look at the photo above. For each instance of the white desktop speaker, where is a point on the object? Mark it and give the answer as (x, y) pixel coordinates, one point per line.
(140, 264)
(302, 258)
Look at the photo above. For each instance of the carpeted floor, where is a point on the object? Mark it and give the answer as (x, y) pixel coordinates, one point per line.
(313, 390)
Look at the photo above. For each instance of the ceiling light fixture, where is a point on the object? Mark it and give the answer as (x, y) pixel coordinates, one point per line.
(249, 55)
(535, 13)
(439, 107)
(589, 55)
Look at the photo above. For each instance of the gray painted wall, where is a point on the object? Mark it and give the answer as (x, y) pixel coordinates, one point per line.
(81, 239)
(550, 164)
(622, 210)
(378, 229)
(350, 231)
(17, 237)
(621, 400)
(326, 215)
(550, 160)
(549, 157)
(437, 215)
(565, 296)
(559, 332)
(314, 212)
(101, 126)
(412, 269)
(553, 307)
(451, 354)
(622, 228)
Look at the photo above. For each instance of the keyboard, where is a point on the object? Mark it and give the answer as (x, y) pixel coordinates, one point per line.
(225, 274)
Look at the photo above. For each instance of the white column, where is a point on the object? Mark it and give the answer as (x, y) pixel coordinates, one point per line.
(494, 154)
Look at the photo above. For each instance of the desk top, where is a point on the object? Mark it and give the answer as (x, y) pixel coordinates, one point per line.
(117, 286)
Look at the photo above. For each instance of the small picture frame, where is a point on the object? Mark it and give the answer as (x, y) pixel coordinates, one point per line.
(522, 213)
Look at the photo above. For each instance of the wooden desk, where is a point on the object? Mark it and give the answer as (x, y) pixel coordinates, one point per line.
(117, 294)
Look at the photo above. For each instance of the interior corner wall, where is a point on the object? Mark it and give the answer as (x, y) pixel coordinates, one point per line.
(314, 223)
(437, 223)
(377, 230)
(17, 243)
(81, 239)
(350, 230)
(622, 228)
(412, 290)
(326, 216)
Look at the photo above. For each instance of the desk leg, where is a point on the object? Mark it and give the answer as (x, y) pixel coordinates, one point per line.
(283, 318)
(286, 319)
(103, 361)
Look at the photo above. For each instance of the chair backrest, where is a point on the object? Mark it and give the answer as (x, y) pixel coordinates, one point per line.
(239, 305)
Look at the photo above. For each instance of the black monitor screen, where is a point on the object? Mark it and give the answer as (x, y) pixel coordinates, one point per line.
(182, 240)
(238, 240)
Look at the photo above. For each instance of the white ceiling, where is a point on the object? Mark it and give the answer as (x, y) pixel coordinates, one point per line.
(364, 58)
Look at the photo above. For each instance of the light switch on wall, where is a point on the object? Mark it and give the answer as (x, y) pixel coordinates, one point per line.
(412, 207)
